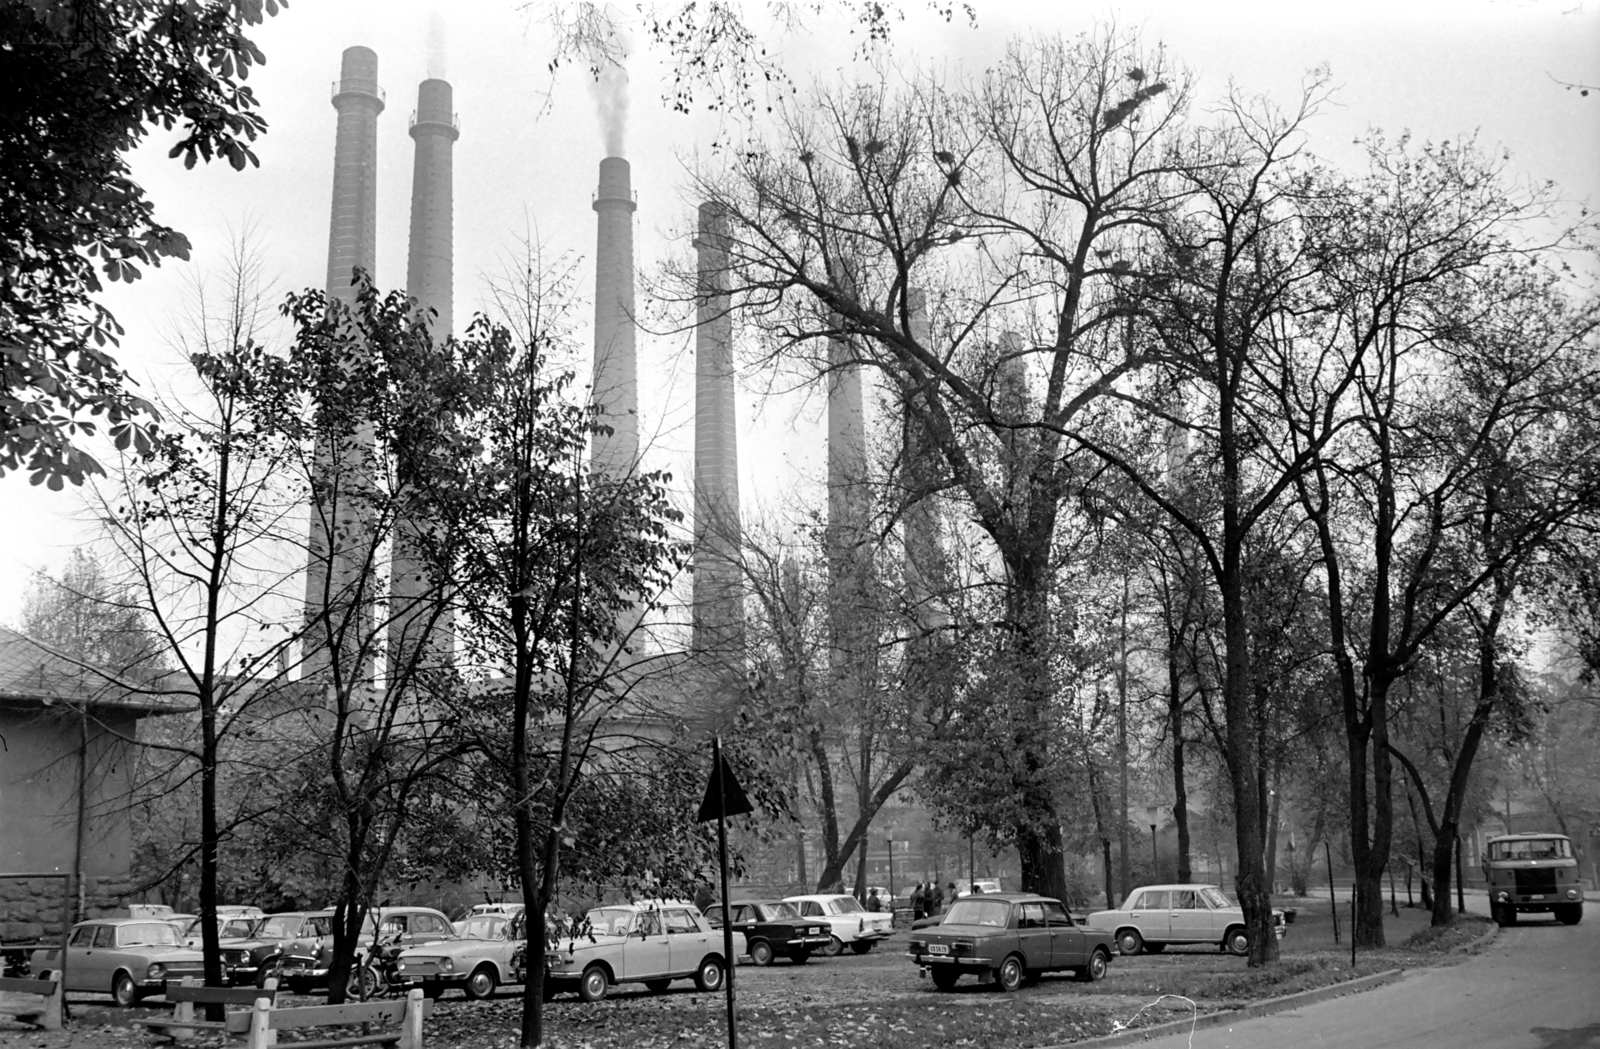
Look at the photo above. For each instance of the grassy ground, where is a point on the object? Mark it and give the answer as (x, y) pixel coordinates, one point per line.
(878, 1000)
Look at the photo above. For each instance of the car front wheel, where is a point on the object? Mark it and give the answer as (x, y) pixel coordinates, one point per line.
(761, 952)
(481, 983)
(123, 990)
(709, 976)
(1237, 941)
(1009, 976)
(1129, 941)
(592, 987)
(1569, 913)
(1099, 960)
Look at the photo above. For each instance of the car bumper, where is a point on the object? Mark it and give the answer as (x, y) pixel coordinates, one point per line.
(870, 936)
(805, 943)
(947, 960)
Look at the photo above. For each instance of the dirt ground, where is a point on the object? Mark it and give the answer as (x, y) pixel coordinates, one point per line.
(875, 1000)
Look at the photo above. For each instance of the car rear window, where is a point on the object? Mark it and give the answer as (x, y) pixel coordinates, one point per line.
(969, 911)
(777, 912)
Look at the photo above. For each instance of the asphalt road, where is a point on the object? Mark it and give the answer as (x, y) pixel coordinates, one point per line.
(1537, 986)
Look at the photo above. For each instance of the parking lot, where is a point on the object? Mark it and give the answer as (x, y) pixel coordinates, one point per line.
(874, 1000)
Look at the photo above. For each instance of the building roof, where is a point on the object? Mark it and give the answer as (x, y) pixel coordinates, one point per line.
(32, 674)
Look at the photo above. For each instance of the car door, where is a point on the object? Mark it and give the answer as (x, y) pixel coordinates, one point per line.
(1188, 918)
(1033, 935)
(81, 960)
(1149, 914)
(1068, 942)
(687, 942)
(646, 954)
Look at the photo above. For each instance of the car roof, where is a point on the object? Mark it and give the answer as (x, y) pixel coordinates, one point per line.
(1010, 897)
(751, 899)
(1174, 885)
(1526, 834)
(819, 896)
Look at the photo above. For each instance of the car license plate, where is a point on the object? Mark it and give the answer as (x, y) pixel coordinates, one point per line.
(938, 948)
(1538, 897)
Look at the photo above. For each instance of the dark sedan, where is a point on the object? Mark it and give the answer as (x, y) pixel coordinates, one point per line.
(771, 929)
(1009, 938)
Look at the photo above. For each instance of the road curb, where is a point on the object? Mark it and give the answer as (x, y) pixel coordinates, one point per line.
(1262, 1008)
(1481, 942)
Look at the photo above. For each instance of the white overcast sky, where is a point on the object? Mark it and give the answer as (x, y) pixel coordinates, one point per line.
(1440, 70)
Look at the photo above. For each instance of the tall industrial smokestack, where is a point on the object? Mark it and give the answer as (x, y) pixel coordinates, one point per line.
(848, 557)
(718, 614)
(615, 389)
(338, 597)
(429, 280)
(924, 570)
(353, 232)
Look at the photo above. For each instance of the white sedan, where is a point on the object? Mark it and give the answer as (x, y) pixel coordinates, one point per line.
(848, 921)
(1153, 916)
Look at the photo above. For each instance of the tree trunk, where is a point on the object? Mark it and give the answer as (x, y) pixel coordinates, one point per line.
(1180, 789)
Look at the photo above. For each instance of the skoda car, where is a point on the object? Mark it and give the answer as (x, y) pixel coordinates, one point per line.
(1008, 938)
(478, 960)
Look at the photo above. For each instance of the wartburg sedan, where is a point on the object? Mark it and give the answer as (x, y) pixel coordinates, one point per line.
(127, 958)
(1153, 916)
(648, 943)
(1009, 938)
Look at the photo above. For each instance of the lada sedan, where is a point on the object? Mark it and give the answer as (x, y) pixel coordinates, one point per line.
(478, 960)
(649, 943)
(772, 928)
(1009, 938)
(1153, 916)
(126, 958)
(848, 921)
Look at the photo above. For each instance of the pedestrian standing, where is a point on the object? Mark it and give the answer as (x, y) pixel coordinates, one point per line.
(916, 903)
(873, 903)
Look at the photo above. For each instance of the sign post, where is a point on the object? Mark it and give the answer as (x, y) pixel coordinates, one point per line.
(724, 798)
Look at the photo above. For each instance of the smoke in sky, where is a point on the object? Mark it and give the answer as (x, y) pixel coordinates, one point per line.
(436, 49)
(610, 91)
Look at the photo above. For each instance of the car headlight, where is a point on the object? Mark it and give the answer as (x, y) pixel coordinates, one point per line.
(155, 972)
(1572, 894)
(1503, 897)
(446, 964)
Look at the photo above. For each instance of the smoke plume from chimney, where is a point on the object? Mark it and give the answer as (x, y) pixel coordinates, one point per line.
(610, 92)
(436, 46)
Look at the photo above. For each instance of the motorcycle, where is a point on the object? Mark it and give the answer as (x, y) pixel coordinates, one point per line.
(377, 972)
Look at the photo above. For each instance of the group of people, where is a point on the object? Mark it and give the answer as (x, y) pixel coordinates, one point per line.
(926, 900)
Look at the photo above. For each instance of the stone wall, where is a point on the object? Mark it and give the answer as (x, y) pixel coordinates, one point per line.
(30, 908)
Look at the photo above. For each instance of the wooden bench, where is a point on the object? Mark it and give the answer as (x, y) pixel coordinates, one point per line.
(260, 1026)
(47, 1014)
(186, 995)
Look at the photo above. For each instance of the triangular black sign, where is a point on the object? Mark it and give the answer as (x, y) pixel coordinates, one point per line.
(732, 796)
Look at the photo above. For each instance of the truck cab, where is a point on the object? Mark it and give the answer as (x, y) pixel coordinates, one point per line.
(1533, 874)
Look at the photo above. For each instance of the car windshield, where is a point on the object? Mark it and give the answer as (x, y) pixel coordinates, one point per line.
(610, 921)
(844, 905)
(1531, 849)
(484, 927)
(776, 912)
(279, 928)
(156, 934)
(969, 911)
(1213, 897)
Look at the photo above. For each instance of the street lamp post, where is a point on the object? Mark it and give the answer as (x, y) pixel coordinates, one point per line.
(891, 872)
(1155, 859)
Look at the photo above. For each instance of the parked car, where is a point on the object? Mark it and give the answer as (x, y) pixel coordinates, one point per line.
(1153, 916)
(772, 928)
(126, 958)
(235, 928)
(848, 921)
(652, 943)
(1010, 938)
(505, 910)
(478, 960)
(986, 886)
(1533, 873)
(295, 946)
